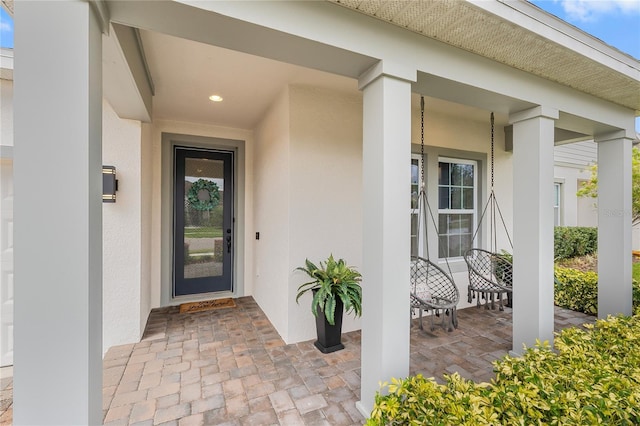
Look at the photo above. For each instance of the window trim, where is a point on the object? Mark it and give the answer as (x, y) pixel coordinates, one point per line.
(414, 211)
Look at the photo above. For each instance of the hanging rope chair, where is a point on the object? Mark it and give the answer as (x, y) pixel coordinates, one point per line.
(490, 273)
(432, 289)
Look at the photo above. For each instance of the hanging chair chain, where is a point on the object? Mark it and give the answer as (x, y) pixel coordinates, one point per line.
(494, 211)
(422, 189)
(492, 153)
(422, 140)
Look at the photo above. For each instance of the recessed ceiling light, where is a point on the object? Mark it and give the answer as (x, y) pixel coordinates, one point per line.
(216, 98)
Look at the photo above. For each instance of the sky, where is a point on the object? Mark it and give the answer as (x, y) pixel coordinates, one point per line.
(6, 29)
(616, 22)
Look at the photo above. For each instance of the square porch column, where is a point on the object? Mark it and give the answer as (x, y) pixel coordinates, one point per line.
(614, 224)
(58, 214)
(386, 233)
(533, 142)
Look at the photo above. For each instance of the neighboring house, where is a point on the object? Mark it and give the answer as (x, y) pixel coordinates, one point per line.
(573, 163)
(572, 168)
(311, 149)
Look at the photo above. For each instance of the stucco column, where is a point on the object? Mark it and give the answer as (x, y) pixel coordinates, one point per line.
(386, 233)
(58, 214)
(614, 225)
(533, 140)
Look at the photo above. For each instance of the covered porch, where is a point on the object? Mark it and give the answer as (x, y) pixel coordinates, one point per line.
(289, 157)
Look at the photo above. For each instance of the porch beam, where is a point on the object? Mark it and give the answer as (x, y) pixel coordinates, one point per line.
(386, 232)
(614, 224)
(58, 214)
(533, 140)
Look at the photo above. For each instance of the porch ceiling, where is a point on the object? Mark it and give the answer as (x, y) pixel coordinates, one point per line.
(185, 73)
(539, 43)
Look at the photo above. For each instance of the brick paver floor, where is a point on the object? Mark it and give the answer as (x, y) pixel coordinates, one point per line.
(230, 367)
(6, 395)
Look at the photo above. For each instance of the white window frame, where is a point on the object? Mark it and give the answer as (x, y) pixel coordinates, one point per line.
(557, 203)
(473, 211)
(414, 211)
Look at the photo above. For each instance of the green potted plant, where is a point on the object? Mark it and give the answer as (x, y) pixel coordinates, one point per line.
(336, 288)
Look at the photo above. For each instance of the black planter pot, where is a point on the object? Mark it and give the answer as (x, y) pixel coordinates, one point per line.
(329, 336)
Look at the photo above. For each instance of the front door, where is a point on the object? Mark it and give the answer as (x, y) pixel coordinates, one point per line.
(203, 221)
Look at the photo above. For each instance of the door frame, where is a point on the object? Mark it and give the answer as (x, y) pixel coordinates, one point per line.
(169, 141)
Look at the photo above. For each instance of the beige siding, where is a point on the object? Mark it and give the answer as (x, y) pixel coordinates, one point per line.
(579, 154)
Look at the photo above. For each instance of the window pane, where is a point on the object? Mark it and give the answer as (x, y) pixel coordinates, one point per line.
(444, 173)
(454, 224)
(456, 174)
(465, 222)
(465, 243)
(444, 198)
(467, 195)
(415, 178)
(415, 171)
(443, 250)
(443, 227)
(556, 204)
(203, 227)
(456, 198)
(467, 174)
(454, 246)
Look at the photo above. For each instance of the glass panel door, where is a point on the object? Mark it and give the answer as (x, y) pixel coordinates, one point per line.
(203, 221)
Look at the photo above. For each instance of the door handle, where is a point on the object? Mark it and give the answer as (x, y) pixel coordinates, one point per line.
(228, 240)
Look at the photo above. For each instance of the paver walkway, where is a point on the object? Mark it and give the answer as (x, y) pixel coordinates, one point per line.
(230, 367)
(6, 395)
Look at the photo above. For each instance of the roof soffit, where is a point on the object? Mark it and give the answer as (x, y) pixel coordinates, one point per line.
(8, 4)
(471, 28)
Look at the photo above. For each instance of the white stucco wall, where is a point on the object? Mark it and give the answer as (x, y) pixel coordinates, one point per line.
(325, 192)
(146, 183)
(314, 136)
(122, 232)
(272, 180)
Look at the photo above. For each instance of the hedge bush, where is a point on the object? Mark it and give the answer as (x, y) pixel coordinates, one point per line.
(592, 377)
(572, 241)
(578, 290)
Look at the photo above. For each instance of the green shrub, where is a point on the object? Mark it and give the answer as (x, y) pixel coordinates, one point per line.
(578, 290)
(592, 377)
(572, 241)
